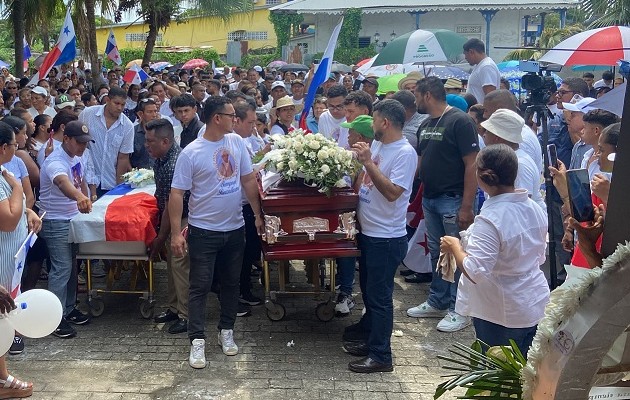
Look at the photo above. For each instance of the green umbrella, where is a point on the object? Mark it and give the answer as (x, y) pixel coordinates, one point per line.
(422, 46)
(389, 83)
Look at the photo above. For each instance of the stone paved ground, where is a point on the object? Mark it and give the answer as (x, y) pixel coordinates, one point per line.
(122, 356)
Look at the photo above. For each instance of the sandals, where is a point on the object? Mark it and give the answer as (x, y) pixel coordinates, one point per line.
(13, 387)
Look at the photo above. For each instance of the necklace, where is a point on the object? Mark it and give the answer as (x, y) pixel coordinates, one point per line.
(439, 119)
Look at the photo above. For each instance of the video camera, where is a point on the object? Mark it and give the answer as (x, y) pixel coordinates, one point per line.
(538, 81)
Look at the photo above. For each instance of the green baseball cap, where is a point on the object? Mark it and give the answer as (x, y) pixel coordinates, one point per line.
(361, 124)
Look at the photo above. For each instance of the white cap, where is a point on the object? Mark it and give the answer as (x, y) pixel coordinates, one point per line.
(580, 105)
(278, 84)
(505, 124)
(40, 90)
(258, 68)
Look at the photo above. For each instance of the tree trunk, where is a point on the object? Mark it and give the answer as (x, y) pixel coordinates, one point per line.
(18, 35)
(151, 38)
(46, 37)
(91, 46)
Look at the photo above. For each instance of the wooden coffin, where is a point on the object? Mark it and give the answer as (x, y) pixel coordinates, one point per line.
(299, 214)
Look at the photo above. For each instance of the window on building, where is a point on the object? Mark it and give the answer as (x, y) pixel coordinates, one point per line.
(243, 35)
(140, 37)
(272, 2)
(365, 41)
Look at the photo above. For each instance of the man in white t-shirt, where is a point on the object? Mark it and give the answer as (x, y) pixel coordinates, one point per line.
(505, 126)
(63, 195)
(485, 76)
(389, 165)
(215, 229)
(331, 119)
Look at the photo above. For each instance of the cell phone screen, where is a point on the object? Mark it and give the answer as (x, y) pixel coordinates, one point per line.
(553, 155)
(580, 195)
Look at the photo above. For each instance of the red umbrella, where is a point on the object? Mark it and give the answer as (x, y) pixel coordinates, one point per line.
(360, 63)
(195, 63)
(601, 46)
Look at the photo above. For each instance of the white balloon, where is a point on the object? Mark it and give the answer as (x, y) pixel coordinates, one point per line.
(6, 335)
(38, 313)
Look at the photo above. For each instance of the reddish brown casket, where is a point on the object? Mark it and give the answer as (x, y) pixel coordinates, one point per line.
(300, 217)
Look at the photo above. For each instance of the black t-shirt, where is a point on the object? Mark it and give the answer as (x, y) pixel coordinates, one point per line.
(443, 143)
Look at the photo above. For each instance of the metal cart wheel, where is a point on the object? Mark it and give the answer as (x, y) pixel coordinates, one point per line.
(147, 308)
(275, 311)
(325, 311)
(97, 306)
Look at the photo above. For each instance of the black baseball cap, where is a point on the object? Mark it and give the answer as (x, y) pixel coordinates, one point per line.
(79, 131)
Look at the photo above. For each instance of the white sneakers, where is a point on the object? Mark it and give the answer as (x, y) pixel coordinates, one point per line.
(226, 341)
(424, 310)
(345, 303)
(197, 358)
(451, 322)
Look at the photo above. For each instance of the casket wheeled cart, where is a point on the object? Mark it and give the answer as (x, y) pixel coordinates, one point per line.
(118, 230)
(303, 224)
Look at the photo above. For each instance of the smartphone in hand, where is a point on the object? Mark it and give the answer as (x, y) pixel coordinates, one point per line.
(580, 199)
(553, 155)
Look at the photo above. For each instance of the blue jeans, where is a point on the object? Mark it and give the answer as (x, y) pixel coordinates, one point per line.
(440, 217)
(211, 253)
(62, 277)
(345, 274)
(497, 335)
(377, 267)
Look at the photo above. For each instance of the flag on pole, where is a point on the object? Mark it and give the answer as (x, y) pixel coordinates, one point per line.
(26, 51)
(111, 50)
(322, 73)
(64, 51)
(135, 75)
(20, 263)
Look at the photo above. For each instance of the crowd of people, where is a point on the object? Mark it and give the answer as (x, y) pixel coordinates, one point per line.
(449, 144)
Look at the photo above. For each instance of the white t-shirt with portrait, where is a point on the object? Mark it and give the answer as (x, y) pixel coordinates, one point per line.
(212, 172)
(330, 126)
(483, 74)
(378, 216)
(56, 205)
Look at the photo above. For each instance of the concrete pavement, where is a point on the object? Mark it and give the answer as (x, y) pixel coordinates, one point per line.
(120, 355)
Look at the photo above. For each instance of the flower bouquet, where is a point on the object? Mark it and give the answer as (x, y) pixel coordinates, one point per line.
(139, 177)
(313, 157)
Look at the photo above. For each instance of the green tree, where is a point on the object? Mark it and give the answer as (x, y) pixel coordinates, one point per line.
(158, 14)
(606, 12)
(284, 26)
(549, 38)
(349, 34)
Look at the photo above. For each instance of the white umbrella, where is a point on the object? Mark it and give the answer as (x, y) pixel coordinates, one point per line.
(612, 101)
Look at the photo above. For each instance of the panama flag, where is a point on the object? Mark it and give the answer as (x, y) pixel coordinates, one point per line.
(20, 263)
(135, 75)
(322, 73)
(112, 49)
(64, 51)
(26, 53)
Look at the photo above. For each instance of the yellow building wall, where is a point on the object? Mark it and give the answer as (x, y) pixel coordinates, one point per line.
(196, 32)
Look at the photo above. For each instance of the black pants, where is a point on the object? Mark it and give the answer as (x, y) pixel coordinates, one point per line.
(252, 249)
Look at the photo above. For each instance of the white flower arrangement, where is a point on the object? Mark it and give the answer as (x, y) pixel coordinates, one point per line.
(139, 177)
(563, 304)
(315, 158)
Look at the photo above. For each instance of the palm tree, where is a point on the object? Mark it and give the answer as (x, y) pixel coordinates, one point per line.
(606, 12)
(18, 35)
(549, 38)
(158, 14)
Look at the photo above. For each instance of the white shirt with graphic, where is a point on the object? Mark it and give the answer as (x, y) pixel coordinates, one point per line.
(56, 205)
(378, 216)
(212, 172)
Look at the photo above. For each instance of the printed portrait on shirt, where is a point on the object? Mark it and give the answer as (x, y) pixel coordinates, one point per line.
(225, 163)
(367, 180)
(76, 175)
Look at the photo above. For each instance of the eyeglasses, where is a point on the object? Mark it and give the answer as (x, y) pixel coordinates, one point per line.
(11, 87)
(563, 92)
(233, 115)
(14, 144)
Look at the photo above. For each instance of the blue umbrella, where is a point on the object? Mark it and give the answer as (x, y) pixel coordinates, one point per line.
(591, 68)
(445, 72)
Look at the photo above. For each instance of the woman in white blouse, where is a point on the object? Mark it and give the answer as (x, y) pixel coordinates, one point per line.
(504, 290)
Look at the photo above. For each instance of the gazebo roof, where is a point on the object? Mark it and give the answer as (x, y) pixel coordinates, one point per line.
(386, 6)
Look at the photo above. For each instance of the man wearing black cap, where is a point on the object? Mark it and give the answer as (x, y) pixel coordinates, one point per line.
(370, 86)
(63, 195)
